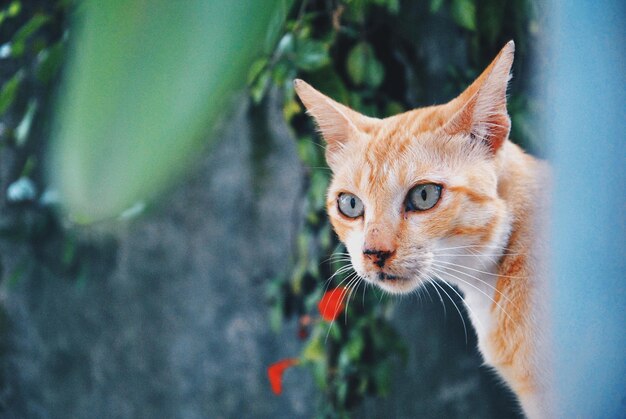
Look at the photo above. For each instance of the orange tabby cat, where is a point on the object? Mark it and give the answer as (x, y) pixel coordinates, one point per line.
(441, 192)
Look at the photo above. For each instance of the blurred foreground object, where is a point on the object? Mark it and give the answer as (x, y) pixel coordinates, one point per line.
(586, 131)
(143, 83)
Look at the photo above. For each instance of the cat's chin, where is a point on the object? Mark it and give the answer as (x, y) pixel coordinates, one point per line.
(398, 285)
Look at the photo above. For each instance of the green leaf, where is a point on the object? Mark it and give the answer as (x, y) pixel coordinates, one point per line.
(255, 69)
(285, 45)
(23, 128)
(435, 5)
(9, 90)
(363, 67)
(258, 89)
(464, 13)
(382, 378)
(143, 89)
(393, 108)
(319, 374)
(311, 54)
(314, 350)
(354, 347)
(25, 32)
(319, 184)
(290, 109)
(49, 61)
(14, 9)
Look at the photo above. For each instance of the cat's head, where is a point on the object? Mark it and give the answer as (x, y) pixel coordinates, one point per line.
(412, 191)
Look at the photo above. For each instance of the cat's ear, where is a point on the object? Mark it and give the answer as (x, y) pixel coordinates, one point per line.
(480, 110)
(337, 123)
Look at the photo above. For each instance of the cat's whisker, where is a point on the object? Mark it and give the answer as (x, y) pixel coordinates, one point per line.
(319, 168)
(315, 143)
(455, 306)
(337, 256)
(482, 261)
(475, 278)
(339, 301)
(442, 272)
(461, 297)
(430, 281)
(428, 293)
(353, 287)
(349, 289)
(479, 256)
(365, 285)
(339, 271)
(416, 292)
(472, 246)
(482, 272)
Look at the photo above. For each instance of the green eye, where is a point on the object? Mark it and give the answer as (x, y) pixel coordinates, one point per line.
(350, 205)
(423, 197)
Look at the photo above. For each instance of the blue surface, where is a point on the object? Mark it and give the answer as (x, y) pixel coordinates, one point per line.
(587, 103)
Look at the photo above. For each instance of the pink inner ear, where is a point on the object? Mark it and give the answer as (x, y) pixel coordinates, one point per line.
(337, 123)
(498, 126)
(480, 110)
(483, 119)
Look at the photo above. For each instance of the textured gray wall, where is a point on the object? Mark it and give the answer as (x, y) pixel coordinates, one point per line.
(171, 319)
(174, 323)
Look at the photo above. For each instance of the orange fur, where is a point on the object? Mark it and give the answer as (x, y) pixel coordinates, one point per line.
(481, 233)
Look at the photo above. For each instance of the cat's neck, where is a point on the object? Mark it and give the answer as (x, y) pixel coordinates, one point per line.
(478, 276)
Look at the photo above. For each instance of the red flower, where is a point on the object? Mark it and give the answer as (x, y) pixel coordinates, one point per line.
(331, 303)
(275, 373)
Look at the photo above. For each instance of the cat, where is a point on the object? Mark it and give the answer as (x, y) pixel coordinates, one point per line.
(442, 193)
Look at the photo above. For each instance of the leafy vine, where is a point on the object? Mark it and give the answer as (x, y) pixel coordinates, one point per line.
(365, 53)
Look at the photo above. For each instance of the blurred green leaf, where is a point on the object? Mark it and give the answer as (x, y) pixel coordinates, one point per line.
(25, 32)
(355, 346)
(382, 378)
(363, 67)
(23, 129)
(255, 69)
(14, 8)
(285, 45)
(314, 351)
(319, 183)
(290, 109)
(492, 19)
(144, 83)
(49, 62)
(9, 90)
(319, 373)
(257, 91)
(435, 5)
(464, 13)
(311, 54)
(393, 108)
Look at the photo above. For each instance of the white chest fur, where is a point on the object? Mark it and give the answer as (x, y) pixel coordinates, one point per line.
(476, 279)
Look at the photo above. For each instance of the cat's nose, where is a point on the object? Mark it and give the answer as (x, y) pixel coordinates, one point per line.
(378, 256)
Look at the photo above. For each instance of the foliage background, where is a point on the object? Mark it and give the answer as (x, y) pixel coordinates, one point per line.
(380, 57)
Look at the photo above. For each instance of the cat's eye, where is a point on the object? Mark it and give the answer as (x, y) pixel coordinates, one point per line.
(423, 197)
(350, 205)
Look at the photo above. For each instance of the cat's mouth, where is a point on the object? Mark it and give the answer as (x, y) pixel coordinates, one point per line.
(394, 284)
(382, 276)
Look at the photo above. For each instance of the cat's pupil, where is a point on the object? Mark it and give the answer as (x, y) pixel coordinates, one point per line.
(352, 202)
(424, 194)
